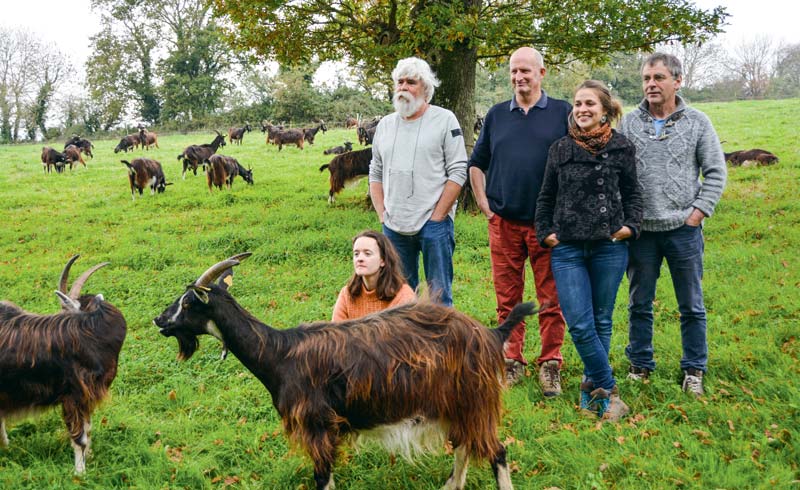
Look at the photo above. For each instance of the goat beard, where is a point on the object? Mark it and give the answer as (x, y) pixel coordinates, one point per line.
(407, 105)
(187, 345)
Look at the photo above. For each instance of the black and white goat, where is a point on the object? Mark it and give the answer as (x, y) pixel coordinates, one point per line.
(67, 359)
(414, 376)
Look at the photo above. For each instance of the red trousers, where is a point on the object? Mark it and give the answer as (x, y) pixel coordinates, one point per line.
(511, 243)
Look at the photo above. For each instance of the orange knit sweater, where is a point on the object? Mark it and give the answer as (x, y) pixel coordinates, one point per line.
(348, 308)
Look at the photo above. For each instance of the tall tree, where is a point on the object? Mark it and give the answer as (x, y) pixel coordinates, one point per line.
(752, 61)
(452, 35)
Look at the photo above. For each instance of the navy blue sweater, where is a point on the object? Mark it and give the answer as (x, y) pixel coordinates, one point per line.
(512, 151)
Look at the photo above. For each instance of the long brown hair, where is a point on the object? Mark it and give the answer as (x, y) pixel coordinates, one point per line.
(611, 105)
(390, 276)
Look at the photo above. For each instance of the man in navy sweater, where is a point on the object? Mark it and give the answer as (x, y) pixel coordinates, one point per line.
(506, 170)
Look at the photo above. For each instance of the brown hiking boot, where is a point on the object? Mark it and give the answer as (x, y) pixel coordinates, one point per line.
(615, 408)
(515, 371)
(550, 378)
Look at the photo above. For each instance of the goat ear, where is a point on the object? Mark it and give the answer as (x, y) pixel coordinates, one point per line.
(68, 303)
(200, 292)
(226, 279)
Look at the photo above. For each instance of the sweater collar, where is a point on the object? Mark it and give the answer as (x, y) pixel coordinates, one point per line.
(644, 110)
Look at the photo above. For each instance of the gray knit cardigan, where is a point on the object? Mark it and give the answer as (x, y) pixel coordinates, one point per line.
(669, 166)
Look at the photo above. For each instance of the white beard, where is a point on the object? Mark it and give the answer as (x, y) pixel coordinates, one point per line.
(406, 105)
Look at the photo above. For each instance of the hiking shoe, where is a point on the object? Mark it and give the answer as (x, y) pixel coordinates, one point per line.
(515, 371)
(693, 382)
(585, 403)
(550, 378)
(638, 374)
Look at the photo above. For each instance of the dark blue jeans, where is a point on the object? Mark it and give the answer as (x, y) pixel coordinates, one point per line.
(587, 276)
(436, 241)
(683, 250)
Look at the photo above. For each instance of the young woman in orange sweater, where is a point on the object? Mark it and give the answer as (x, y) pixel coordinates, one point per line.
(377, 282)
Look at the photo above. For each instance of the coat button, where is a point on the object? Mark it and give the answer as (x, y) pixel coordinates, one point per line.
(601, 196)
(603, 209)
(598, 167)
(599, 181)
(604, 155)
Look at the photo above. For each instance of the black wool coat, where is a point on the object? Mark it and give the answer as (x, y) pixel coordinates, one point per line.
(589, 197)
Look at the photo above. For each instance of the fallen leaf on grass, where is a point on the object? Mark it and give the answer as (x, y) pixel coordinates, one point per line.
(730, 425)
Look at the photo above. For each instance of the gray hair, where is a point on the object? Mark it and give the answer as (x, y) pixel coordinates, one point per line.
(418, 69)
(672, 63)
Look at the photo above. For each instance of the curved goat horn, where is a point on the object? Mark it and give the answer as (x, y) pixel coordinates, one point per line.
(217, 269)
(75, 290)
(62, 283)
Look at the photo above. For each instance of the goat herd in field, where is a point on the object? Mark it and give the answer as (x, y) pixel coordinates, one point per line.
(345, 167)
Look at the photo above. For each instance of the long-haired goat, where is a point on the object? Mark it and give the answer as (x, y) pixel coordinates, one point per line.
(144, 172)
(147, 138)
(222, 170)
(67, 359)
(417, 370)
(72, 156)
(194, 155)
(289, 137)
(82, 143)
(346, 170)
(51, 157)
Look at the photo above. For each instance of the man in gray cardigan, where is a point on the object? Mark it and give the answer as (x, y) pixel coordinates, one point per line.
(675, 145)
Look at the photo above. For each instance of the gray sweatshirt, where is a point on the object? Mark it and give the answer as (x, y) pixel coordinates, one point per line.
(414, 160)
(669, 166)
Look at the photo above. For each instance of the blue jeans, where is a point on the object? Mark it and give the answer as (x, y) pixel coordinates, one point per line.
(436, 241)
(683, 249)
(587, 276)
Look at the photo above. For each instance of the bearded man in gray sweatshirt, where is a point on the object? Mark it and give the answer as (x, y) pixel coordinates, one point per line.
(419, 164)
(675, 145)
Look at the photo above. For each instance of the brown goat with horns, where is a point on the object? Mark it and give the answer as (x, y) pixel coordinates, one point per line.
(67, 359)
(412, 376)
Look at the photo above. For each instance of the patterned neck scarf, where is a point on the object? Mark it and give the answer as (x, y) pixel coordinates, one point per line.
(592, 141)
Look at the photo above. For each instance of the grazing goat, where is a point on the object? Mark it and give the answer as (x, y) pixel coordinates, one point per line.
(144, 172)
(309, 134)
(128, 143)
(338, 150)
(82, 143)
(72, 155)
(366, 131)
(221, 170)
(51, 157)
(147, 138)
(350, 123)
(236, 135)
(289, 137)
(271, 131)
(755, 156)
(418, 374)
(195, 155)
(346, 170)
(67, 359)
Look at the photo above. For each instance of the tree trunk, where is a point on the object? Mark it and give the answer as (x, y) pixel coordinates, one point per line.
(456, 70)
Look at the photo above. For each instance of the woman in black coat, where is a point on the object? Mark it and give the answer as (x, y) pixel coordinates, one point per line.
(589, 205)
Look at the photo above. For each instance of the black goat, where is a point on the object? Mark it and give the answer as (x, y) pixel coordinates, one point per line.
(310, 133)
(236, 135)
(194, 155)
(338, 150)
(67, 359)
(51, 157)
(82, 143)
(417, 369)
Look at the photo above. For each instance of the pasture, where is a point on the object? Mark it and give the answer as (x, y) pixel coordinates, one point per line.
(209, 424)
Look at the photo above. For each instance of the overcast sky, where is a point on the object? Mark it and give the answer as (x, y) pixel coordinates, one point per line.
(69, 23)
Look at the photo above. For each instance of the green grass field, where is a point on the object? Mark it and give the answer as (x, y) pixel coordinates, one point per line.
(208, 423)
